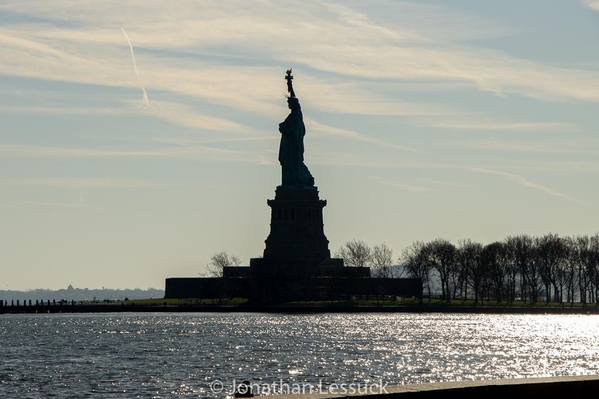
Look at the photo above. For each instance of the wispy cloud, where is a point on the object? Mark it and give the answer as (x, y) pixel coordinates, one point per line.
(361, 98)
(592, 4)
(184, 115)
(71, 182)
(172, 112)
(144, 100)
(191, 53)
(266, 161)
(586, 167)
(54, 204)
(503, 126)
(196, 152)
(561, 147)
(525, 182)
(402, 186)
(333, 131)
(191, 141)
(64, 110)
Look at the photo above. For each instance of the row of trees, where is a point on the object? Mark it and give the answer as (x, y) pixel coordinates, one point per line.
(549, 268)
(531, 269)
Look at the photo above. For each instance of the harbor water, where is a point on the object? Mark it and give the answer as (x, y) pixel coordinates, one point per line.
(207, 355)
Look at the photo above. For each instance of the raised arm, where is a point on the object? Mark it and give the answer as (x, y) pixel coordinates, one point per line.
(289, 78)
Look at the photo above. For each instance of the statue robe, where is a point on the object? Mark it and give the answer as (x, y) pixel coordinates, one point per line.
(291, 152)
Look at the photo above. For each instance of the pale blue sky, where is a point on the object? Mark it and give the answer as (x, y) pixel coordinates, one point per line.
(425, 119)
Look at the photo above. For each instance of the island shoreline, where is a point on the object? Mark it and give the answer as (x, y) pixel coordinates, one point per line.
(291, 309)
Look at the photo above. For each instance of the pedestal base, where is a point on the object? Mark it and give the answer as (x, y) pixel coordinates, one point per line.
(296, 227)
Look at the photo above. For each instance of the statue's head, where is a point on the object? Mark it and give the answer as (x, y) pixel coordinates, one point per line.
(293, 103)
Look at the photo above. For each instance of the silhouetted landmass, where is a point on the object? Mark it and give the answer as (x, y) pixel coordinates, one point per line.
(81, 294)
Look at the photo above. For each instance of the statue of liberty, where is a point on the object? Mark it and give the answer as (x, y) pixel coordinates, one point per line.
(291, 150)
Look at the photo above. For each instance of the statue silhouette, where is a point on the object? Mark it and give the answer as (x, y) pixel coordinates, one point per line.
(295, 174)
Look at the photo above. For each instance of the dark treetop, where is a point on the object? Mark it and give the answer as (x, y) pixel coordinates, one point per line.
(291, 151)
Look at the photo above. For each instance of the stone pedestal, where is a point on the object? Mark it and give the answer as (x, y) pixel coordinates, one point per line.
(296, 245)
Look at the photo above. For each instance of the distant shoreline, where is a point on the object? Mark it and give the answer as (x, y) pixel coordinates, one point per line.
(290, 309)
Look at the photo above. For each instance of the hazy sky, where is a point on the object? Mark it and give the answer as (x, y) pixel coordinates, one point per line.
(425, 119)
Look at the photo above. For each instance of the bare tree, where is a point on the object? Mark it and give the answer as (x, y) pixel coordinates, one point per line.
(569, 269)
(594, 270)
(414, 259)
(551, 253)
(583, 259)
(522, 249)
(442, 257)
(511, 268)
(382, 260)
(493, 257)
(218, 262)
(355, 253)
(469, 256)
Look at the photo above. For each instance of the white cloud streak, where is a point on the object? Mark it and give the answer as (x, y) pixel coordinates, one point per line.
(73, 182)
(144, 100)
(561, 147)
(64, 110)
(195, 152)
(184, 115)
(172, 112)
(404, 187)
(503, 126)
(333, 131)
(54, 204)
(592, 4)
(525, 182)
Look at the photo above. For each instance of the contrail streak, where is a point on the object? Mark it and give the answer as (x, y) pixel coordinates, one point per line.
(144, 100)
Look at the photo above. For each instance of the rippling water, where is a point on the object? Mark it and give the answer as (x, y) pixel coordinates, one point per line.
(180, 355)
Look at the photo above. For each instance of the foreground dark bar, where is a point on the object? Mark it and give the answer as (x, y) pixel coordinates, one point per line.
(550, 387)
(116, 308)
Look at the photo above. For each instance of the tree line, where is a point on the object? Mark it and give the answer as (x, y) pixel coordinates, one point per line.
(548, 268)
